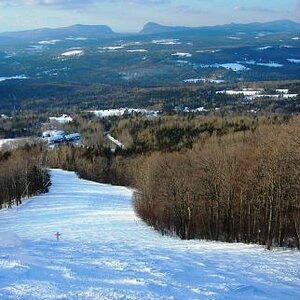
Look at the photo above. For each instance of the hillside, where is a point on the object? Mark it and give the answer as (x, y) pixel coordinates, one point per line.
(106, 252)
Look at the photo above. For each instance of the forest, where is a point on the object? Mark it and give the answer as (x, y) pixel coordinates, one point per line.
(242, 187)
(22, 174)
(219, 176)
(233, 179)
(43, 97)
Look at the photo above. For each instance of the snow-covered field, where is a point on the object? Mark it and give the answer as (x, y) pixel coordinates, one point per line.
(236, 67)
(293, 60)
(104, 113)
(137, 50)
(13, 77)
(77, 52)
(182, 54)
(166, 42)
(106, 252)
(63, 119)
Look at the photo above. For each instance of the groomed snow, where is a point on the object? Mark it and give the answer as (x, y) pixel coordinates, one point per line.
(106, 252)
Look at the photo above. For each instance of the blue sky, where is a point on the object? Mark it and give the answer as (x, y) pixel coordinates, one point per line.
(131, 15)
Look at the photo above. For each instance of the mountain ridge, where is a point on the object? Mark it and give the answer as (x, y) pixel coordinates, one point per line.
(73, 30)
(150, 28)
(277, 25)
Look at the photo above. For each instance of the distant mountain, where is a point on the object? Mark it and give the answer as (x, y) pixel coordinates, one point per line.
(153, 28)
(274, 26)
(78, 30)
(103, 31)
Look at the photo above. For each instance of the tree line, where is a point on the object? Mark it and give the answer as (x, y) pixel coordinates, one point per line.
(241, 187)
(22, 174)
(234, 179)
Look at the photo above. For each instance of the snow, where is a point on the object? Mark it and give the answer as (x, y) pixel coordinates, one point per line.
(13, 143)
(5, 141)
(286, 46)
(234, 67)
(9, 54)
(76, 38)
(115, 141)
(13, 77)
(182, 62)
(62, 119)
(73, 53)
(287, 96)
(264, 48)
(9, 239)
(48, 42)
(234, 38)
(282, 91)
(166, 42)
(250, 62)
(137, 50)
(36, 47)
(270, 64)
(182, 54)
(293, 60)
(243, 92)
(209, 51)
(103, 113)
(112, 48)
(196, 80)
(106, 252)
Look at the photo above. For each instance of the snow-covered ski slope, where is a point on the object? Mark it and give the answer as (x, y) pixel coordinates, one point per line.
(106, 252)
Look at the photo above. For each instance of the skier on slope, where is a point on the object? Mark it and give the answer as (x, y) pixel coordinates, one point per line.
(57, 234)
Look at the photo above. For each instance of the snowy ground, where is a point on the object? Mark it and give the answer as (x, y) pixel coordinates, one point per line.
(106, 252)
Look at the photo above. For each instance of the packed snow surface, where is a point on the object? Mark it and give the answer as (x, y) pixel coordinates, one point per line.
(106, 252)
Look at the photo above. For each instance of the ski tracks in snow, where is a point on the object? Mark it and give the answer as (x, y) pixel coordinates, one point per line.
(106, 252)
